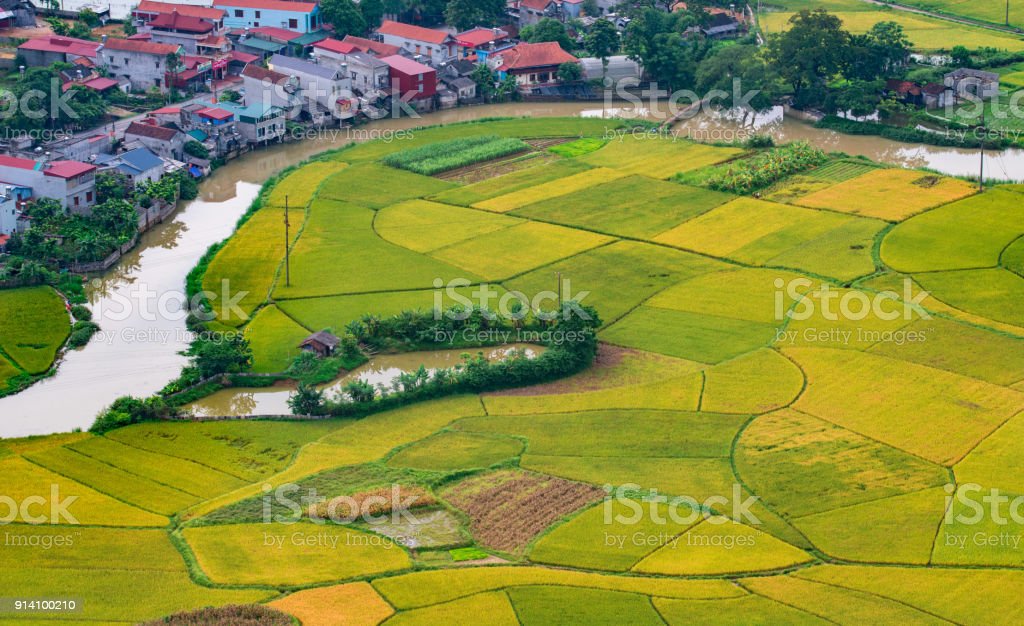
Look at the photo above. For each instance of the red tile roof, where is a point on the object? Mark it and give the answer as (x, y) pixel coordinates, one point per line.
(19, 163)
(368, 45)
(903, 87)
(166, 111)
(528, 55)
(282, 34)
(213, 41)
(536, 5)
(215, 113)
(63, 45)
(68, 169)
(101, 83)
(243, 57)
(144, 47)
(333, 45)
(154, 7)
(416, 33)
(269, 5)
(262, 73)
(407, 66)
(933, 89)
(184, 23)
(480, 36)
(151, 130)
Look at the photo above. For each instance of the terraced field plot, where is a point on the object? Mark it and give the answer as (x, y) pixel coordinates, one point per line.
(825, 444)
(33, 326)
(871, 194)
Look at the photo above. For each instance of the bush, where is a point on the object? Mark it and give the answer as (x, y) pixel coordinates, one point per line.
(307, 400)
(907, 134)
(749, 175)
(231, 615)
(196, 149)
(127, 410)
(81, 333)
(81, 313)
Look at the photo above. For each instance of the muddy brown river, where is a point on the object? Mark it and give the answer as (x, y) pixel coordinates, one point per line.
(138, 302)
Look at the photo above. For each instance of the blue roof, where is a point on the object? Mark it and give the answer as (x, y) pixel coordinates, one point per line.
(142, 159)
(198, 135)
(255, 110)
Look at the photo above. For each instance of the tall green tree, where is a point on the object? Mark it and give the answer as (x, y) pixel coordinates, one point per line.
(465, 14)
(811, 52)
(373, 12)
(602, 41)
(344, 16)
(547, 29)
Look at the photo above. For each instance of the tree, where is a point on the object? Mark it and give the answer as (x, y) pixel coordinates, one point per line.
(196, 149)
(485, 81)
(590, 8)
(344, 16)
(569, 72)
(229, 95)
(548, 29)
(890, 44)
(465, 14)
(810, 53)
(739, 70)
(307, 400)
(228, 354)
(602, 41)
(373, 12)
(88, 17)
(961, 57)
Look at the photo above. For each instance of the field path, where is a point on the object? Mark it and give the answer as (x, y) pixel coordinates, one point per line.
(966, 21)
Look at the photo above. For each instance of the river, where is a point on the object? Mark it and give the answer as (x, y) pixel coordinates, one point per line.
(137, 352)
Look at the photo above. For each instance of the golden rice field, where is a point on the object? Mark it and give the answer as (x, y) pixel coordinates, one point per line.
(795, 404)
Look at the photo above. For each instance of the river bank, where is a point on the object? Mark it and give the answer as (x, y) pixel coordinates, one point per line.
(138, 302)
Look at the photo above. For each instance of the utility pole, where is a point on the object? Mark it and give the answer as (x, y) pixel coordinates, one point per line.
(1007, 12)
(287, 241)
(559, 275)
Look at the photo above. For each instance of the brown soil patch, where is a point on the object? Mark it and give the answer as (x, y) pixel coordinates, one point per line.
(495, 167)
(509, 508)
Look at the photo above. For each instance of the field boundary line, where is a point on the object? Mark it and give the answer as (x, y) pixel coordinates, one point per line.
(785, 604)
(945, 510)
(881, 597)
(140, 476)
(986, 436)
(181, 458)
(871, 501)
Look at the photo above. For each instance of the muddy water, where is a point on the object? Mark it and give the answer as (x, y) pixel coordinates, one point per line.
(382, 370)
(138, 350)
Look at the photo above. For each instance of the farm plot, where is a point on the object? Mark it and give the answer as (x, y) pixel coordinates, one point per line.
(376, 186)
(469, 195)
(984, 11)
(300, 186)
(649, 434)
(123, 595)
(183, 475)
(519, 249)
(426, 588)
(494, 604)
(33, 326)
(141, 492)
(519, 198)
(895, 529)
(304, 554)
(339, 253)
(967, 234)
(750, 609)
(94, 548)
(274, 338)
(423, 226)
(612, 536)
(356, 604)
(753, 383)
(768, 233)
(986, 464)
(872, 194)
(509, 508)
(720, 546)
(8, 374)
(23, 479)
(995, 294)
(802, 465)
(454, 451)
(657, 157)
(248, 264)
(565, 606)
(633, 207)
(247, 450)
(905, 405)
(449, 155)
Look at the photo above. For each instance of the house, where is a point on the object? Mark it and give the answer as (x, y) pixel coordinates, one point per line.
(721, 26)
(531, 64)
(148, 10)
(45, 51)
(619, 68)
(168, 143)
(12, 201)
(323, 344)
(72, 183)
(905, 91)
(433, 46)
(213, 126)
(968, 84)
(367, 72)
(936, 96)
(529, 12)
(81, 148)
(269, 88)
(17, 13)
(376, 48)
(257, 123)
(260, 47)
(411, 81)
(303, 17)
(464, 88)
(144, 64)
(140, 165)
(178, 29)
(325, 90)
(479, 38)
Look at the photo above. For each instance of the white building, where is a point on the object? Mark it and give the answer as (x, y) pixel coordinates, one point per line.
(72, 183)
(326, 91)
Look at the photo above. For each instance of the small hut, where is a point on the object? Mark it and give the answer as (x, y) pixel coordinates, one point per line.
(322, 343)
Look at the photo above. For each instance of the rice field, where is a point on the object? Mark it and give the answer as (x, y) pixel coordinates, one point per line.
(33, 326)
(843, 432)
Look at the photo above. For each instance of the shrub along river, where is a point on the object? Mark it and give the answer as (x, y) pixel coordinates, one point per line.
(143, 330)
